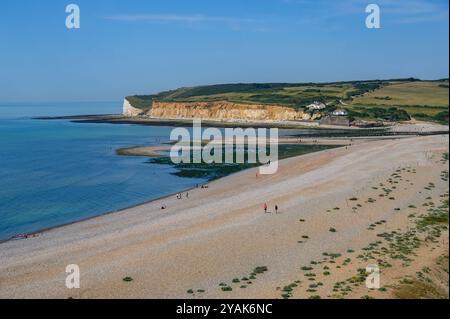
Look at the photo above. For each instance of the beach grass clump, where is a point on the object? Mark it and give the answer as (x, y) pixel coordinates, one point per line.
(227, 289)
(260, 270)
(435, 218)
(127, 279)
(332, 230)
(444, 176)
(246, 279)
(310, 274)
(289, 288)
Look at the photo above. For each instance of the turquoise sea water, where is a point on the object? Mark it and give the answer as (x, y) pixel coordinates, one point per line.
(55, 172)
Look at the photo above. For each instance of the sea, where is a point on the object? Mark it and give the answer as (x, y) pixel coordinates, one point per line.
(54, 172)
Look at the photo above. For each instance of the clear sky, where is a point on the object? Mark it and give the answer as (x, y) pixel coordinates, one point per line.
(129, 47)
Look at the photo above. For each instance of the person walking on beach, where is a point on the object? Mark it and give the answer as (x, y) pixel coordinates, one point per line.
(265, 208)
(276, 209)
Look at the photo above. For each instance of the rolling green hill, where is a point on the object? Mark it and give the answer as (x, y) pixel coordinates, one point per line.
(395, 99)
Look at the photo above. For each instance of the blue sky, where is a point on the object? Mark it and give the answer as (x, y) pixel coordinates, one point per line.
(145, 46)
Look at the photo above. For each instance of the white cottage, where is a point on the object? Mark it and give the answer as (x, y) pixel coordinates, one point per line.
(316, 106)
(340, 112)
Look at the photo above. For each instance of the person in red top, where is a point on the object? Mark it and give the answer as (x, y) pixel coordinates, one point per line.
(265, 208)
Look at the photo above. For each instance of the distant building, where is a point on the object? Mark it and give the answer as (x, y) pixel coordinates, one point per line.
(340, 112)
(316, 106)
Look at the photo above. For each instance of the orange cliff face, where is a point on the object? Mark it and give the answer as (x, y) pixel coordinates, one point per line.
(222, 111)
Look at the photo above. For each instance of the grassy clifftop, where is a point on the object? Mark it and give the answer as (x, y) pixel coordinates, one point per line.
(395, 99)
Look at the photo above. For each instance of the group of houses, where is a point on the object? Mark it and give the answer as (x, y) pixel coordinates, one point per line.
(337, 117)
(340, 117)
(318, 106)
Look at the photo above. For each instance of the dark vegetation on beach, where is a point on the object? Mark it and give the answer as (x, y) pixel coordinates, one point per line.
(212, 171)
(393, 248)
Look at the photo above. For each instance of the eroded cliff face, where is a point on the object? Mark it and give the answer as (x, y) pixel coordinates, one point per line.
(225, 111)
(129, 110)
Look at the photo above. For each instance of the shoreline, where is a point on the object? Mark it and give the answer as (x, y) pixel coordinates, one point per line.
(219, 233)
(413, 129)
(33, 234)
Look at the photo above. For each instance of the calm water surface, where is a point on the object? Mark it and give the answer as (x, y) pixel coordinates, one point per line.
(55, 172)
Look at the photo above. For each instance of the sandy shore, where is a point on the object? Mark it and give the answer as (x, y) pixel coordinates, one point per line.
(221, 233)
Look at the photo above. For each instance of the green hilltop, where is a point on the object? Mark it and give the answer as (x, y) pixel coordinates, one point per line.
(394, 99)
